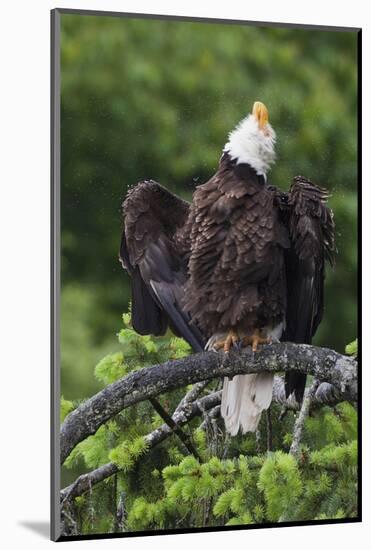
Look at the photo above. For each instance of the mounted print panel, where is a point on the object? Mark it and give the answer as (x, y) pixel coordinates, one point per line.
(205, 193)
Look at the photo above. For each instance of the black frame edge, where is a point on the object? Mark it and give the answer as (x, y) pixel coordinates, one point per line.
(310, 523)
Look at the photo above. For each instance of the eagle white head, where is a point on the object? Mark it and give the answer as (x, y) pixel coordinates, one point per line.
(252, 141)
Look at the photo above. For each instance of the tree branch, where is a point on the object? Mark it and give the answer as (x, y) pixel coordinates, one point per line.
(304, 411)
(326, 394)
(184, 413)
(324, 364)
(184, 438)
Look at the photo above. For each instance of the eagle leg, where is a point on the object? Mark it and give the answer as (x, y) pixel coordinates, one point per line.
(229, 341)
(255, 339)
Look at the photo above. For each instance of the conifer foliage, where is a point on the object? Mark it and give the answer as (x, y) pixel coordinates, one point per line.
(245, 480)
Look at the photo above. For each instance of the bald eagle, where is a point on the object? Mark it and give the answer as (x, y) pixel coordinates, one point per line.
(242, 264)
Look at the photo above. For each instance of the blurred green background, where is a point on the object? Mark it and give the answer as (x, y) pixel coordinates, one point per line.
(156, 99)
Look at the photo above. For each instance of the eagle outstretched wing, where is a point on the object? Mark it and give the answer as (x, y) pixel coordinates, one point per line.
(312, 234)
(154, 250)
(241, 263)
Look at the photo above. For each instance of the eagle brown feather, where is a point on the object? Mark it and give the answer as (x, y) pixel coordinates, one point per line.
(243, 256)
(236, 265)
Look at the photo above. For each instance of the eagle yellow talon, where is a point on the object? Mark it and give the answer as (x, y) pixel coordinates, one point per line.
(218, 345)
(226, 344)
(255, 340)
(231, 339)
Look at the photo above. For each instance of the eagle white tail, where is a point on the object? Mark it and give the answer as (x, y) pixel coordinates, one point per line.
(244, 398)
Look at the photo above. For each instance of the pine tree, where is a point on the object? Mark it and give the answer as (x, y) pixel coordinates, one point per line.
(232, 482)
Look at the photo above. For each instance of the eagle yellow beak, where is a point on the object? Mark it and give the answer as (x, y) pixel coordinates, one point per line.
(260, 112)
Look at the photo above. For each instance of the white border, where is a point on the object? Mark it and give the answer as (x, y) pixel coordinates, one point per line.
(25, 170)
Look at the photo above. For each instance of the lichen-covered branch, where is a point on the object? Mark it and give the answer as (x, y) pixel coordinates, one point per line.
(187, 409)
(326, 394)
(304, 411)
(325, 364)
